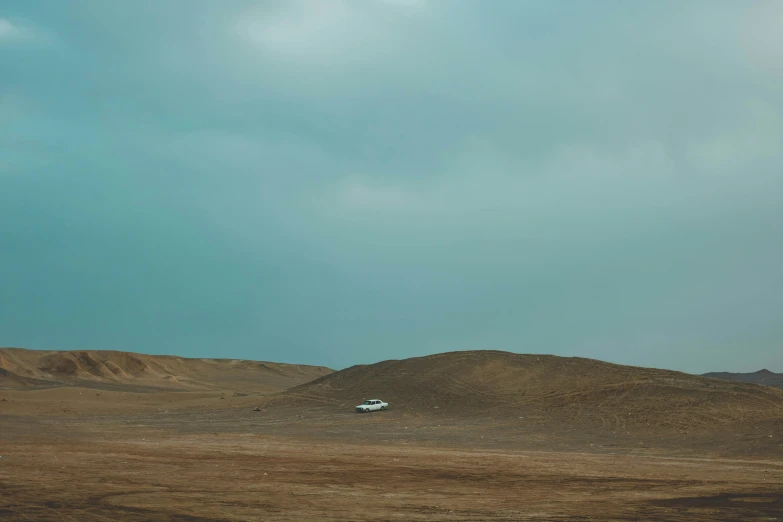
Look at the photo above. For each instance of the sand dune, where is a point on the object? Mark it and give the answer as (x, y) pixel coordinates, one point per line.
(30, 369)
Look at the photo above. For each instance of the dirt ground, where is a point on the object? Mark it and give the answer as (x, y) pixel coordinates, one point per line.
(470, 436)
(209, 459)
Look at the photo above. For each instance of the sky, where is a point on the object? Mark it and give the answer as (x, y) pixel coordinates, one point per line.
(340, 182)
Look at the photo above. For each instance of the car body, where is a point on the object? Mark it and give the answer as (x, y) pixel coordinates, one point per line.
(372, 405)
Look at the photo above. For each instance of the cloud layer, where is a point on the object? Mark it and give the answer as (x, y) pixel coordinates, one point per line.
(342, 181)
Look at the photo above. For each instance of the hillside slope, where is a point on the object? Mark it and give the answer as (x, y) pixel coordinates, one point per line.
(29, 369)
(545, 388)
(764, 377)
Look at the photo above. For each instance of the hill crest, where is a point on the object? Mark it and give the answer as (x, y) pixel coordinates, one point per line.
(549, 388)
(765, 377)
(23, 369)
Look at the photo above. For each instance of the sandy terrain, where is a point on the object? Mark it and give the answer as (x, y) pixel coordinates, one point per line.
(86, 453)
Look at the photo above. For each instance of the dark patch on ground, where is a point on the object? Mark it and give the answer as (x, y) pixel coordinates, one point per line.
(737, 506)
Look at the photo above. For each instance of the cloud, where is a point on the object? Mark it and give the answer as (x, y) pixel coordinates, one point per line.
(413, 173)
(480, 180)
(298, 28)
(404, 3)
(11, 32)
(754, 135)
(344, 31)
(761, 36)
(8, 30)
(21, 147)
(359, 195)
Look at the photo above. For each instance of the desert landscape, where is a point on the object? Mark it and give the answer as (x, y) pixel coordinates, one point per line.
(377, 260)
(479, 435)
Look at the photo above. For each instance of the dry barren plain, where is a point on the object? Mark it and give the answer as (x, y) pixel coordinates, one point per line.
(470, 436)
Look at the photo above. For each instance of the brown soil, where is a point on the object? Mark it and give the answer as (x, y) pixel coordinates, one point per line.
(447, 449)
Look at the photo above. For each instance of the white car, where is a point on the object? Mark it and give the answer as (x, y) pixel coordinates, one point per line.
(372, 405)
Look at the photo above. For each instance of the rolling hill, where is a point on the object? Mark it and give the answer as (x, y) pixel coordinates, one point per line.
(31, 369)
(546, 388)
(764, 377)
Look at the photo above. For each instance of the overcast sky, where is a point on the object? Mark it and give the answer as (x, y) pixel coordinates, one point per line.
(345, 181)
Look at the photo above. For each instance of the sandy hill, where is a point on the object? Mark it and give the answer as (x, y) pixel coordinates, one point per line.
(575, 391)
(764, 377)
(30, 369)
